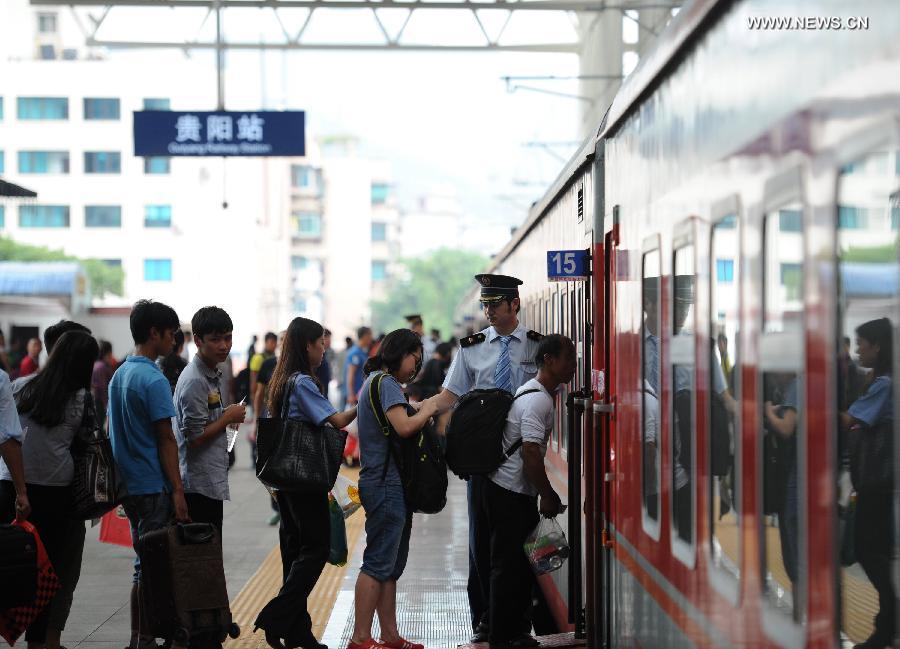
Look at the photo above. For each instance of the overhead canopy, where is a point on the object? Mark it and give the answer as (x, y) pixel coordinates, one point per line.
(41, 278)
(12, 190)
(872, 280)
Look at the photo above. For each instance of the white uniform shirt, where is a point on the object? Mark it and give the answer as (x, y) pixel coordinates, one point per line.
(473, 367)
(530, 419)
(10, 428)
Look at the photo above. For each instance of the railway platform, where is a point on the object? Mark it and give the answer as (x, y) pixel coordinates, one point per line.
(432, 606)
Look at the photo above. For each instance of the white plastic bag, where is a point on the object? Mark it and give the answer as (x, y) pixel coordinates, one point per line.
(346, 494)
(546, 547)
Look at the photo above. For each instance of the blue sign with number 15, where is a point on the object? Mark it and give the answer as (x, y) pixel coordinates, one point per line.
(567, 265)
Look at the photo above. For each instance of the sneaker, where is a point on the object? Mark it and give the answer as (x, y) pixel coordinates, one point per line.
(275, 519)
(402, 643)
(371, 643)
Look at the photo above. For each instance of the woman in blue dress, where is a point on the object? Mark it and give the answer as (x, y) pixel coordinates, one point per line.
(873, 410)
(304, 535)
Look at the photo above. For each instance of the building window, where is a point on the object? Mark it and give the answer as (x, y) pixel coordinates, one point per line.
(47, 53)
(42, 107)
(724, 270)
(307, 225)
(101, 108)
(852, 218)
(301, 176)
(70, 54)
(156, 103)
(895, 215)
(789, 221)
(379, 232)
(112, 263)
(43, 162)
(102, 162)
(2, 162)
(2, 216)
(1, 107)
(47, 23)
(379, 271)
(299, 263)
(299, 304)
(157, 165)
(157, 216)
(103, 216)
(380, 193)
(157, 270)
(43, 216)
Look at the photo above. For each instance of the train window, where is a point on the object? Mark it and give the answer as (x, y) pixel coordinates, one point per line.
(682, 353)
(724, 370)
(650, 388)
(781, 405)
(867, 216)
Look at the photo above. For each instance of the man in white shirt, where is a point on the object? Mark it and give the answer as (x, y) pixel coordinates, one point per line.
(510, 498)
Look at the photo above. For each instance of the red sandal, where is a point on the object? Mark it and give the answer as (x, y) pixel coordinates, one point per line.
(402, 643)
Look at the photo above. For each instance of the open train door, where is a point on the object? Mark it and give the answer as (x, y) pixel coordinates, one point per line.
(603, 462)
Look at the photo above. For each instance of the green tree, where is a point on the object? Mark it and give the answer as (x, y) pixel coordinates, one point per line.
(104, 279)
(431, 285)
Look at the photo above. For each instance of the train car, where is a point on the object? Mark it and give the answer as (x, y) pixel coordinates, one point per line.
(740, 204)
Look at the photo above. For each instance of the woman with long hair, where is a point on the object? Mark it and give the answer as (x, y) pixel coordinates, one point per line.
(388, 521)
(305, 532)
(873, 535)
(51, 406)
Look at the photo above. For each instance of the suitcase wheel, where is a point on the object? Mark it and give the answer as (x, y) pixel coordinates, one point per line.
(234, 631)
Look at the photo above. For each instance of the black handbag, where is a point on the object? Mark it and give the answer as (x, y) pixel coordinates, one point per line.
(94, 486)
(872, 457)
(294, 455)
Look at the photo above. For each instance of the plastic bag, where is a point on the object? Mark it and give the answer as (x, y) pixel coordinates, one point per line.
(14, 621)
(346, 494)
(546, 547)
(337, 553)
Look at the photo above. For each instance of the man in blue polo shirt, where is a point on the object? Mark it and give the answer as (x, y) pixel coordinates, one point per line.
(144, 446)
(353, 365)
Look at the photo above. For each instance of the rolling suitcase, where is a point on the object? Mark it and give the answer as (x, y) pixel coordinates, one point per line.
(18, 567)
(183, 585)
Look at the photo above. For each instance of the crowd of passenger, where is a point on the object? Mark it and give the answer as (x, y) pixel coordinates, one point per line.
(166, 418)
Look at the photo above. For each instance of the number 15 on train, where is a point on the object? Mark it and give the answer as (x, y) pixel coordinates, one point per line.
(567, 265)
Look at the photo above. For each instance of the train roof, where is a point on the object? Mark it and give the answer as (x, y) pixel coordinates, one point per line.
(652, 68)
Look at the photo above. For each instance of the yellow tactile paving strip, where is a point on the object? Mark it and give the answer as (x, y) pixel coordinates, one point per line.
(265, 584)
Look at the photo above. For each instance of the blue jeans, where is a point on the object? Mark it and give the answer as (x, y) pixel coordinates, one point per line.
(146, 512)
(388, 526)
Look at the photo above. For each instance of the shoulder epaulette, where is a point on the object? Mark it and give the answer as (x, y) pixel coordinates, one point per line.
(533, 335)
(474, 339)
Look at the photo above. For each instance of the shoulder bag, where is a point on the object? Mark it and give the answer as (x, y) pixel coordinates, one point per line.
(94, 485)
(294, 455)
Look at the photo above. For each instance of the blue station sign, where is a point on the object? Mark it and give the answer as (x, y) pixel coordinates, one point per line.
(567, 265)
(219, 133)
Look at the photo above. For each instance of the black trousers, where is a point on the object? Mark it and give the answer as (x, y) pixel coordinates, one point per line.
(304, 537)
(874, 543)
(478, 586)
(510, 518)
(204, 510)
(50, 516)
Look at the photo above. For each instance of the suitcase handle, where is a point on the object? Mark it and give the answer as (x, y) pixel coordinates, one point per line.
(196, 533)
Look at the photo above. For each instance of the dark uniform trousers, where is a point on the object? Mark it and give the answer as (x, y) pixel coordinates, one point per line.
(479, 583)
(509, 518)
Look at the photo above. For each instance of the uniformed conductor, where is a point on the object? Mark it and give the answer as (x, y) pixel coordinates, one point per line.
(501, 356)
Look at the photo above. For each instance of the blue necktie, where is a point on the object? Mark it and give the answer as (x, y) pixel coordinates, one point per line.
(503, 373)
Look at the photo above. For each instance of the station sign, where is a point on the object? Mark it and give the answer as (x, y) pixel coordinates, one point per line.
(567, 265)
(219, 133)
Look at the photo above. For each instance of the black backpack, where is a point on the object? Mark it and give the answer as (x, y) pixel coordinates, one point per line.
(475, 433)
(419, 460)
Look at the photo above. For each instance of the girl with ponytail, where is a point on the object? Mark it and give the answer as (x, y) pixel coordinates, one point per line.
(305, 534)
(388, 522)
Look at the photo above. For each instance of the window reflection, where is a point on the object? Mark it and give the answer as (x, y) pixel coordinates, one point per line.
(724, 366)
(868, 212)
(650, 391)
(683, 391)
(783, 270)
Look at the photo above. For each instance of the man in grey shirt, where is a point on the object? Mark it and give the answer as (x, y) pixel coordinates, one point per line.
(201, 419)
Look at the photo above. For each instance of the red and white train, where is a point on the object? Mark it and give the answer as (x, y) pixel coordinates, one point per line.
(741, 205)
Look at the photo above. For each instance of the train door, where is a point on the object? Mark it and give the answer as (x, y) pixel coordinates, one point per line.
(579, 304)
